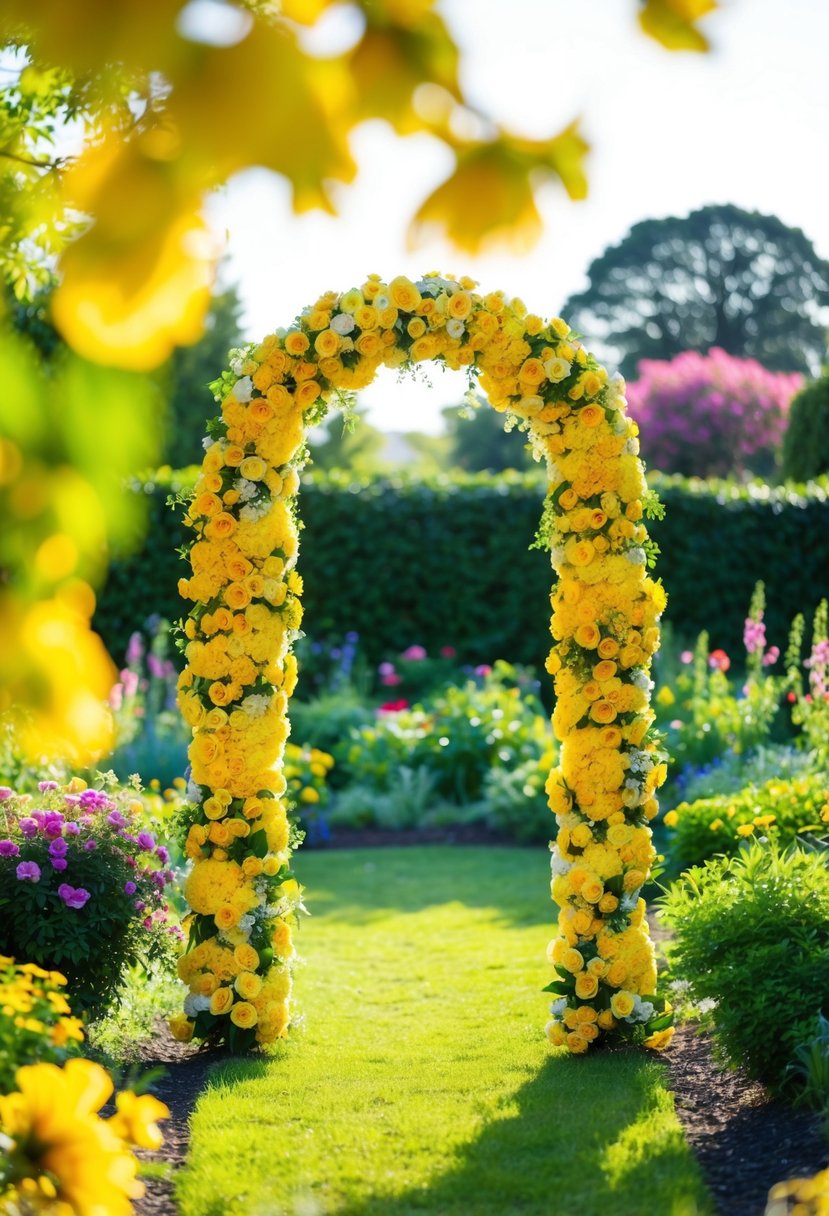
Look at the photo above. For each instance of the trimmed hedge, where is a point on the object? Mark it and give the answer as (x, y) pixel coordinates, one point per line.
(445, 561)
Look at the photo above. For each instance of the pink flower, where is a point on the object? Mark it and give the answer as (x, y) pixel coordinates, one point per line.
(9, 849)
(28, 871)
(414, 654)
(483, 669)
(687, 657)
(448, 652)
(393, 707)
(5, 793)
(73, 897)
(390, 679)
(771, 656)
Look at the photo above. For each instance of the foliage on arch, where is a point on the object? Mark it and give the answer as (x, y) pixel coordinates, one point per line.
(246, 613)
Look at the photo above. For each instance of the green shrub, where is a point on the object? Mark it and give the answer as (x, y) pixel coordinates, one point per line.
(809, 1068)
(82, 881)
(751, 933)
(733, 771)
(778, 809)
(445, 562)
(516, 802)
(458, 737)
(806, 441)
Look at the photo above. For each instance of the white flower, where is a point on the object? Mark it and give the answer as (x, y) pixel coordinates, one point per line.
(455, 328)
(195, 1004)
(256, 704)
(636, 556)
(632, 447)
(343, 323)
(243, 389)
(193, 793)
(381, 301)
(558, 865)
(246, 489)
(255, 511)
(641, 679)
(207, 443)
(642, 1011)
(557, 369)
(557, 1007)
(236, 366)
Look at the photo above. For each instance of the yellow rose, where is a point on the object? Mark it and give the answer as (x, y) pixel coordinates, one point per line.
(576, 1042)
(403, 294)
(181, 1028)
(246, 957)
(221, 1001)
(572, 960)
(556, 1034)
(602, 712)
(253, 468)
(248, 985)
(244, 1015)
(587, 636)
(621, 1004)
(327, 343)
(227, 917)
(586, 986)
(296, 342)
(591, 415)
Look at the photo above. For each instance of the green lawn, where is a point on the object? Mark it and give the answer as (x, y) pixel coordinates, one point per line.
(419, 1080)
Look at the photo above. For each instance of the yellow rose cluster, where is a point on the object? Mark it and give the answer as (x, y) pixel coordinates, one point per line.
(240, 671)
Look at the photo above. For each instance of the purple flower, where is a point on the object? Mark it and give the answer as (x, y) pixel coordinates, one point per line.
(46, 786)
(72, 828)
(6, 793)
(89, 845)
(129, 888)
(58, 848)
(135, 649)
(9, 849)
(28, 827)
(73, 897)
(146, 840)
(162, 854)
(59, 863)
(116, 819)
(53, 822)
(28, 871)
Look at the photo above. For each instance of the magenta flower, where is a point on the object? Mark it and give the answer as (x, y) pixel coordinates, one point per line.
(58, 848)
(73, 897)
(28, 871)
(6, 793)
(146, 840)
(72, 828)
(414, 654)
(116, 819)
(129, 888)
(89, 845)
(162, 854)
(448, 652)
(59, 863)
(28, 827)
(9, 849)
(46, 786)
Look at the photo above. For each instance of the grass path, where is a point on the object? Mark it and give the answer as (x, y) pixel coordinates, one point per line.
(420, 1081)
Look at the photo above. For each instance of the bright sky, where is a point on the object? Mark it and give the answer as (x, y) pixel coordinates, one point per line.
(746, 124)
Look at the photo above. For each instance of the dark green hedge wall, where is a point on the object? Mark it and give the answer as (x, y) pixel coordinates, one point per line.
(446, 562)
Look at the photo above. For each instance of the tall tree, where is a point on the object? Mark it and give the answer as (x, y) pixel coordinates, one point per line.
(478, 442)
(720, 277)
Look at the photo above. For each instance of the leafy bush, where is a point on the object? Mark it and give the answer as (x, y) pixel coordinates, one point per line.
(82, 886)
(516, 800)
(778, 809)
(36, 1021)
(751, 933)
(809, 1068)
(442, 566)
(458, 737)
(806, 441)
(710, 415)
(733, 771)
(327, 720)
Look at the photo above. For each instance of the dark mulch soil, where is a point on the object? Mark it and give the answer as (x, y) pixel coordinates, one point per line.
(744, 1140)
(186, 1071)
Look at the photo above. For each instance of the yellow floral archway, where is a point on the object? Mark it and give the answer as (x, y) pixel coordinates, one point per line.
(240, 671)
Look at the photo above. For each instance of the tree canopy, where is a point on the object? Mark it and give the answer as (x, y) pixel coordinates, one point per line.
(721, 276)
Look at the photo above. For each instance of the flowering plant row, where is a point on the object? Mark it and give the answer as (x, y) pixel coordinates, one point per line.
(240, 672)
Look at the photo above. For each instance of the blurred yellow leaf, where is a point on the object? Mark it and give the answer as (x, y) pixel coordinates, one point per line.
(489, 200)
(672, 23)
(390, 62)
(84, 34)
(265, 102)
(54, 665)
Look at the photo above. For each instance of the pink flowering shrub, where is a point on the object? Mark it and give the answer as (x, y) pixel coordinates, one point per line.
(83, 881)
(711, 415)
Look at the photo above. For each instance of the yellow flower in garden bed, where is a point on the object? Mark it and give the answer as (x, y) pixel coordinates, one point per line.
(240, 672)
